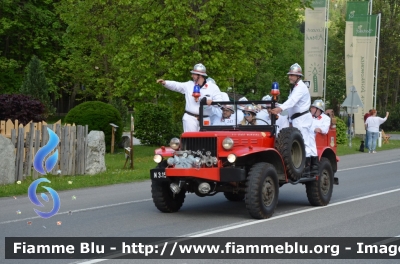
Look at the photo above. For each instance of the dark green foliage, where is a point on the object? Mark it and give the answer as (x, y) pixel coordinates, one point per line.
(154, 125)
(98, 116)
(21, 107)
(393, 121)
(120, 105)
(341, 132)
(35, 84)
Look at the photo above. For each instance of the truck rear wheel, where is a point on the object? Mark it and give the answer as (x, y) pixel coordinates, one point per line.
(319, 192)
(164, 199)
(262, 190)
(290, 145)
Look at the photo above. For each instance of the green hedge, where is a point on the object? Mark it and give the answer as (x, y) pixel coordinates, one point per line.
(154, 124)
(98, 116)
(341, 132)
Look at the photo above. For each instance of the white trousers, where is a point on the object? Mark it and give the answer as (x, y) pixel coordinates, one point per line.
(304, 124)
(190, 123)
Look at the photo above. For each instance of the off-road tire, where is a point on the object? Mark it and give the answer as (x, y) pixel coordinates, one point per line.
(262, 190)
(319, 192)
(290, 145)
(164, 199)
(234, 197)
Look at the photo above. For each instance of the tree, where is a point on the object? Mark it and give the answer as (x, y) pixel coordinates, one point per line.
(35, 84)
(29, 28)
(335, 72)
(121, 48)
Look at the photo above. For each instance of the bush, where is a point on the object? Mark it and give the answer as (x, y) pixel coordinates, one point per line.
(341, 132)
(21, 107)
(98, 116)
(154, 125)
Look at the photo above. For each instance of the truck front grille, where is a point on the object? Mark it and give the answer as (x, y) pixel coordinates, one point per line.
(202, 144)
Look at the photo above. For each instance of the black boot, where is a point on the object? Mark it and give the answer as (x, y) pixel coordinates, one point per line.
(314, 166)
(306, 172)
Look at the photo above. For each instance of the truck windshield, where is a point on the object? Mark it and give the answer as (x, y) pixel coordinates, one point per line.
(236, 115)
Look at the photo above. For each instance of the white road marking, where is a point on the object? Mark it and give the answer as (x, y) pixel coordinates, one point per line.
(202, 234)
(79, 210)
(370, 165)
(255, 222)
(146, 200)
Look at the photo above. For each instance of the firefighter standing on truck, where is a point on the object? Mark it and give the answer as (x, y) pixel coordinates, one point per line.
(194, 91)
(298, 106)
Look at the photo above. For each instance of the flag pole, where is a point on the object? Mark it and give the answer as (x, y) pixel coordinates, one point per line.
(326, 47)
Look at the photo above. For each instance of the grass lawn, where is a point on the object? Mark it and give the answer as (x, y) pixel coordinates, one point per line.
(143, 162)
(355, 145)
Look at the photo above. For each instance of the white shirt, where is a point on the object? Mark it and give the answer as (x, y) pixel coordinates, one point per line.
(299, 99)
(209, 90)
(322, 122)
(373, 123)
(263, 114)
(282, 122)
(224, 121)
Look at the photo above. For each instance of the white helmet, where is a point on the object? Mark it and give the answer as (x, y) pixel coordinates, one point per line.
(228, 107)
(250, 108)
(319, 104)
(199, 69)
(211, 80)
(295, 69)
(267, 98)
(243, 99)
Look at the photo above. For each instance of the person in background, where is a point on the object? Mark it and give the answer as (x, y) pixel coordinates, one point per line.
(350, 127)
(264, 113)
(372, 125)
(368, 114)
(281, 121)
(193, 96)
(298, 105)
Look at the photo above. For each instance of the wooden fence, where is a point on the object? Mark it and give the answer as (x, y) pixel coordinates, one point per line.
(72, 148)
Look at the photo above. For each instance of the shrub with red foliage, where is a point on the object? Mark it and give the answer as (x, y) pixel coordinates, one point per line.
(21, 107)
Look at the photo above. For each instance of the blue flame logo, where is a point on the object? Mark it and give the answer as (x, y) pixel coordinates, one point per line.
(49, 164)
(32, 196)
(44, 151)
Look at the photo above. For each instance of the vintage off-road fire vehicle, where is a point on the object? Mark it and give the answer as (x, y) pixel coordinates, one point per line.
(242, 161)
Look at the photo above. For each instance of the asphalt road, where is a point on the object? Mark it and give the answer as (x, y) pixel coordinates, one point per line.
(364, 204)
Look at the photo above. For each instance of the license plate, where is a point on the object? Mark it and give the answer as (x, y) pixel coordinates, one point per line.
(158, 174)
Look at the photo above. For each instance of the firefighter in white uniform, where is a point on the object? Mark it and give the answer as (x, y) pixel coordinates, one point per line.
(227, 118)
(321, 121)
(298, 106)
(209, 90)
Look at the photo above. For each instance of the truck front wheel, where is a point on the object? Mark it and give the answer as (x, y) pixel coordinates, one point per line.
(262, 190)
(164, 199)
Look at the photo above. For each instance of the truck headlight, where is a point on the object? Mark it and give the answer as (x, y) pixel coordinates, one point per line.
(174, 143)
(227, 143)
(157, 158)
(231, 158)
